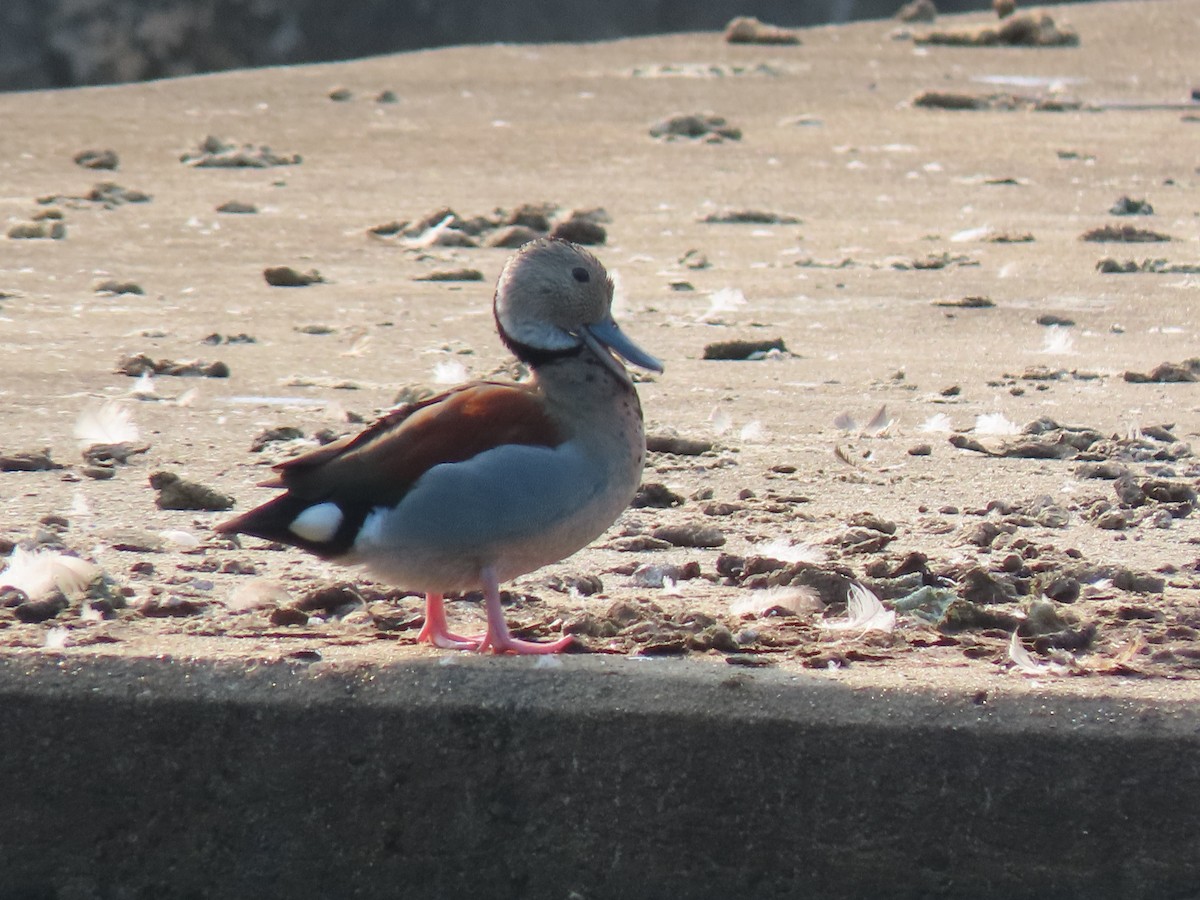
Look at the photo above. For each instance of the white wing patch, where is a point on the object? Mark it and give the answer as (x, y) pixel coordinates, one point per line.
(317, 523)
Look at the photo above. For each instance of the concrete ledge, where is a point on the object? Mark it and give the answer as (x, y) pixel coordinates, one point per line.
(594, 778)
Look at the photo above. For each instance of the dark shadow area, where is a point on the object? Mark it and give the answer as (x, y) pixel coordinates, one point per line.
(64, 43)
(594, 778)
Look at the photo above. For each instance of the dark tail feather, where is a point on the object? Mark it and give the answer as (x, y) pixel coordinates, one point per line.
(271, 520)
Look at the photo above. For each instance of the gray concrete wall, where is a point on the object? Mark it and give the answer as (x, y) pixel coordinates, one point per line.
(600, 778)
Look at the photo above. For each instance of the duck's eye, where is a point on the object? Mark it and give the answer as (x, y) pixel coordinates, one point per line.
(581, 275)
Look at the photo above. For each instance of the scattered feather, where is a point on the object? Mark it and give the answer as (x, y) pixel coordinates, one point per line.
(257, 593)
(1027, 665)
(1100, 589)
(188, 397)
(89, 613)
(1022, 660)
(39, 572)
(797, 600)
(864, 612)
(726, 300)
(938, 422)
(1058, 340)
(111, 423)
(995, 423)
(652, 575)
(1127, 653)
(79, 505)
(431, 236)
(144, 388)
(449, 371)
(721, 420)
(785, 551)
(971, 234)
(183, 538)
(927, 603)
(359, 347)
(841, 454)
(56, 638)
(753, 432)
(880, 423)
(620, 298)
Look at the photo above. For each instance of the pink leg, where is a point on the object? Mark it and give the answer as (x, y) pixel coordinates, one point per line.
(435, 632)
(498, 638)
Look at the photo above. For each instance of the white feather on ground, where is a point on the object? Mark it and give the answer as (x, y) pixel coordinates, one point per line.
(995, 423)
(182, 538)
(971, 234)
(877, 426)
(1027, 665)
(753, 432)
(938, 422)
(449, 371)
(864, 612)
(144, 388)
(785, 551)
(359, 346)
(726, 300)
(1058, 341)
(845, 422)
(880, 423)
(721, 420)
(430, 236)
(111, 423)
(798, 600)
(79, 505)
(39, 572)
(620, 299)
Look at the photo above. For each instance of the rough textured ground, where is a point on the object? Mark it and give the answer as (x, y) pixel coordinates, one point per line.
(888, 211)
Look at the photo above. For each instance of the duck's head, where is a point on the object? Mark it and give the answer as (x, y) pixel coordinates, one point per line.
(554, 300)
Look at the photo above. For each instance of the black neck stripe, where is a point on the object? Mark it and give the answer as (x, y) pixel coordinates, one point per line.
(538, 356)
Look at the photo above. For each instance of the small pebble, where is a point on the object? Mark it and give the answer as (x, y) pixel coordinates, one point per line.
(512, 237)
(286, 276)
(111, 286)
(680, 446)
(464, 274)
(689, 535)
(27, 461)
(97, 159)
(1049, 320)
(580, 231)
(656, 496)
(743, 350)
(704, 126)
(236, 207)
(176, 493)
(749, 30)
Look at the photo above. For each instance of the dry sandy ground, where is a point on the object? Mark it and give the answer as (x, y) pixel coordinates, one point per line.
(828, 136)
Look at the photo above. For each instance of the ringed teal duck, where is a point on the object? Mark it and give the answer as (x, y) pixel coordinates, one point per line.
(489, 480)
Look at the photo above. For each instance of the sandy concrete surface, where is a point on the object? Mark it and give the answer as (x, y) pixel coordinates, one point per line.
(887, 211)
